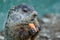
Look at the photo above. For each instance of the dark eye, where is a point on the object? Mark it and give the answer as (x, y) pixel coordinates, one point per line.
(25, 10)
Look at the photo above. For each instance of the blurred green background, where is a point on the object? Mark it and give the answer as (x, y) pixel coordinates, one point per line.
(41, 6)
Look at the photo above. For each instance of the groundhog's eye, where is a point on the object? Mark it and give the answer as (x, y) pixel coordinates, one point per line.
(25, 10)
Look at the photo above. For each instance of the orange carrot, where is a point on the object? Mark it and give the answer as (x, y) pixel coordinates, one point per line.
(31, 25)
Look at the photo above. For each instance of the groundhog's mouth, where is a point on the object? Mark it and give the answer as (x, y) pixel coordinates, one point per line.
(24, 33)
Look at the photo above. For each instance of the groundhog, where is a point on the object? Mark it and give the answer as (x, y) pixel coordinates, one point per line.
(22, 23)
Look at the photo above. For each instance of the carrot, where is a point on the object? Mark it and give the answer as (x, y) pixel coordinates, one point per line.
(31, 25)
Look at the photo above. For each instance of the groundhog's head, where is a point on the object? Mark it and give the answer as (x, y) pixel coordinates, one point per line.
(21, 14)
(17, 17)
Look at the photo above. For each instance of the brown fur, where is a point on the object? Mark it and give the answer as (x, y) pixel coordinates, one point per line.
(20, 31)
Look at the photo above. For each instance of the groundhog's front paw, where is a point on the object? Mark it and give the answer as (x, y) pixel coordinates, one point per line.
(23, 35)
(31, 32)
